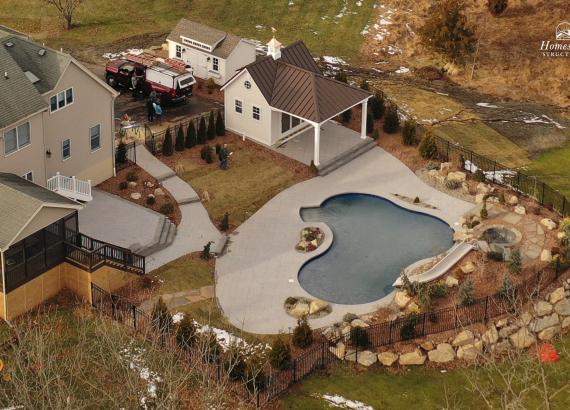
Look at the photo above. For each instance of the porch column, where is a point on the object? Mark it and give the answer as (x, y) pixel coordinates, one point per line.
(316, 159)
(363, 119)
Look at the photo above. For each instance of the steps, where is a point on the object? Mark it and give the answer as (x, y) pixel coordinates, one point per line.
(346, 157)
(163, 237)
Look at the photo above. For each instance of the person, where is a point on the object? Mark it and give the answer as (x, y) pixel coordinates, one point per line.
(157, 110)
(223, 155)
(150, 110)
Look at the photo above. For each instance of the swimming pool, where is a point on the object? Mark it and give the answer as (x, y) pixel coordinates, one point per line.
(374, 239)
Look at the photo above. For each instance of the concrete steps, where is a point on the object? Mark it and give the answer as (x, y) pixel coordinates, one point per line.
(164, 236)
(346, 157)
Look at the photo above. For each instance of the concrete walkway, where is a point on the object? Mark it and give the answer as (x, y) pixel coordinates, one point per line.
(260, 269)
(195, 229)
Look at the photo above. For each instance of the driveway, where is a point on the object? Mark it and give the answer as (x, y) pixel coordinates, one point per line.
(261, 266)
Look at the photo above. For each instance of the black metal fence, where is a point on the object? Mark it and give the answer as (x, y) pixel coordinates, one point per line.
(495, 172)
(325, 352)
(126, 159)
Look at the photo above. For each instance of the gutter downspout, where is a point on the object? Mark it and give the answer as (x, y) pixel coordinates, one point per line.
(4, 287)
(113, 135)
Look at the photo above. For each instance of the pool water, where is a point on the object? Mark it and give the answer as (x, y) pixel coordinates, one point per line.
(374, 240)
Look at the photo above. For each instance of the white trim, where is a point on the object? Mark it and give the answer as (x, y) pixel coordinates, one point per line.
(231, 80)
(346, 109)
(4, 285)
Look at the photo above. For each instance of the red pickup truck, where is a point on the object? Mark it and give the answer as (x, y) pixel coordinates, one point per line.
(171, 79)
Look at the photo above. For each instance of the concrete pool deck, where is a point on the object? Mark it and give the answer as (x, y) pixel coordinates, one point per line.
(260, 269)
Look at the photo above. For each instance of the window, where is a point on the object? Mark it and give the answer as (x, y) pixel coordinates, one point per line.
(215, 64)
(17, 138)
(295, 121)
(29, 176)
(178, 51)
(288, 122)
(66, 149)
(95, 137)
(239, 106)
(256, 112)
(247, 85)
(61, 100)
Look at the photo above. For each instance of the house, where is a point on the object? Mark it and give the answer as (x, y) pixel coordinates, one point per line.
(56, 118)
(42, 250)
(210, 52)
(284, 95)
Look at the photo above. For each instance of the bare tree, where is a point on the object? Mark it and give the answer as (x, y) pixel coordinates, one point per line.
(66, 8)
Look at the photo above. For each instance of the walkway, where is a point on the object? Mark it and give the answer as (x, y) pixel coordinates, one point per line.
(195, 229)
(260, 269)
(182, 298)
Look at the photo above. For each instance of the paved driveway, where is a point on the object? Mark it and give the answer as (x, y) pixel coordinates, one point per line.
(260, 269)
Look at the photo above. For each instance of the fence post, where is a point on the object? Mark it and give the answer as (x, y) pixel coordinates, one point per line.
(471, 163)
(557, 267)
(257, 398)
(295, 370)
(390, 338)
(486, 308)
(542, 196)
(323, 355)
(424, 326)
(563, 205)
(494, 171)
(134, 308)
(447, 155)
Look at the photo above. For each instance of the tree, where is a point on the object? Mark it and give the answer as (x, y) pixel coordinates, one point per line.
(377, 105)
(66, 8)
(428, 147)
(211, 134)
(507, 290)
(391, 119)
(179, 144)
(167, 148)
(515, 265)
(190, 135)
(186, 332)
(121, 155)
(206, 252)
(497, 7)
(225, 225)
(202, 131)
(446, 31)
(161, 317)
(302, 335)
(220, 125)
(369, 123)
(467, 293)
(280, 355)
(409, 133)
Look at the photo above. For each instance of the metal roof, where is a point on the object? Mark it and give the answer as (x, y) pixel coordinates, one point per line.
(20, 200)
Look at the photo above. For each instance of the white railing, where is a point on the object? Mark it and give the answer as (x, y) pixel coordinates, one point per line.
(70, 187)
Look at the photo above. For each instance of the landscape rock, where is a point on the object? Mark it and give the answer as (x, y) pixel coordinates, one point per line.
(300, 310)
(483, 246)
(317, 305)
(561, 235)
(547, 321)
(387, 358)
(401, 299)
(412, 359)
(507, 331)
(136, 196)
(433, 173)
(483, 188)
(563, 307)
(463, 338)
(350, 356)
(548, 333)
(457, 176)
(367, 358)
(566, 322)
(479, 198)
(467, 268)
(443, 353)
(546, 255)
(339, 350)
(557, 295)
(502, 323)
(491, 336)
(470, 352)
(427, 345)
(513, 200)
(525, 319)
(359, 323)
(522, 339)
(521, 210)
(159, 192)
(413, 308)
(501, 347)
(445, 166)
(542, 308)
(132, 184)
(450, 282)
(548, 224)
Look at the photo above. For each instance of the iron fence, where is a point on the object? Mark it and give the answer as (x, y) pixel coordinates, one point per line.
(493, 171)
(127, 159)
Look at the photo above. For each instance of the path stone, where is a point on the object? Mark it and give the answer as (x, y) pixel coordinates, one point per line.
(443, 353)
(208, 291)
(512, 218)
(546, 255)
(522, 339)
(367, 358)
(414, 358)
(387, 358)
(463, 338)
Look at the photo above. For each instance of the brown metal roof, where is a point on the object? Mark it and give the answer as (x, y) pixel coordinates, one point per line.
(295, 84)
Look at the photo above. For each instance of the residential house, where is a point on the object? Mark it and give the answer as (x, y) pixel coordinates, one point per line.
(210, 52)
(42, 250)
(285, 95)
(56, 117)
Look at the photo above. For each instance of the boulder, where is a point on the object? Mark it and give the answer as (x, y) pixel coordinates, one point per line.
(507, 331)
(563, 307)
(491, 336)
(467, 268)
(521, 210)
(542, 308)
(159, 192)
(359, 323)
(350, 356)
(412, 359)
(463, 338)
(427, 345)
(445, 166)
(444, 353)
(387, 358)
(525, 319)
(401, 299)
(543, 322)
(502, 323)
(339, 350)
(136, 196)
(548, 224)
(457, 176)
(483, 188)
(566, 322)
(300, 310)
(522, 338)
(450, 282)
(367, 358)
(501, 347)
(513, 200)
(470, 352)
(549, 333)
(546, 255)
(462, 235)
(317, 305)
(132, 184)
(557, 295)
(479, 198)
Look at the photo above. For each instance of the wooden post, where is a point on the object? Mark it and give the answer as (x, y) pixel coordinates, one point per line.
(134, 317)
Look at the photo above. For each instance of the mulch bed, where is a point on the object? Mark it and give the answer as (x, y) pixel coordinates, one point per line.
(111, 186)
(201, 90)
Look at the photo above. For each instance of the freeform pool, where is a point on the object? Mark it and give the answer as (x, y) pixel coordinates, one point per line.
(374, 240)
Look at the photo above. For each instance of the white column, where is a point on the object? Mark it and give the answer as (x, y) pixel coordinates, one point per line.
(316, 159)
(363, 119)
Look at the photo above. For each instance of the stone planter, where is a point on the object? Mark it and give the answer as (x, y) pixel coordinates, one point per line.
(311, 239)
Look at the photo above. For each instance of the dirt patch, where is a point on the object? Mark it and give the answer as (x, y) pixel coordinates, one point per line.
(145, 185)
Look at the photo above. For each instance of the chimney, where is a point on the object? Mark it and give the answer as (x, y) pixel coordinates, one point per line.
(274, 47)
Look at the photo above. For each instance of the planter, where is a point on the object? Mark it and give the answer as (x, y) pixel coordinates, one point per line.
(311, 239)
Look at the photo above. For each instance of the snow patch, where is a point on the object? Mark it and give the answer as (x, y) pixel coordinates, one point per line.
(340, 402)
(112, 56)
(402, 70)
(134, 355)
(487, 105)
(543, 119)
(334, 60)
(500, 176)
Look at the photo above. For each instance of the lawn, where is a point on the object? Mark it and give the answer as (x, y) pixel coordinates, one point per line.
(554, 168)
(329, 27)
(429, 389)
(187, 272)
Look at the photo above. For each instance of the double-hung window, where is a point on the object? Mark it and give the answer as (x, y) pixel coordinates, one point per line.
(178, 51)
(66, 149)
(17, 138)
(256, 113)
(61, 100)
(215, 64)
(239, 106)
(95, 137)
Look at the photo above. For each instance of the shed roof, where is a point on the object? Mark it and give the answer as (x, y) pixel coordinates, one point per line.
(20, 201)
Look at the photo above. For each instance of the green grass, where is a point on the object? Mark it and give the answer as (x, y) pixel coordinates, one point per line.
(102, 22)
(241, 190)
(553, 167)
(429, 389)
(187, 272)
